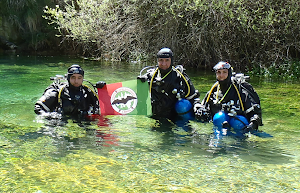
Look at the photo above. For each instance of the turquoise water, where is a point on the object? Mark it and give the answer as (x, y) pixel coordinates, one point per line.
(133, 153)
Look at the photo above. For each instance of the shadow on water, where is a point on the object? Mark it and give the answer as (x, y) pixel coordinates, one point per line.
(181, 135)
(69, 135)
(176, 132)
(260, 152)
(244, 148)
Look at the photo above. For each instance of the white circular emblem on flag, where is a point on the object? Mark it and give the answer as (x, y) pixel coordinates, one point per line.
(123, 100)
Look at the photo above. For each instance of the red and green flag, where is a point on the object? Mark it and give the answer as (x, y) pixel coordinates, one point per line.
(125, 98)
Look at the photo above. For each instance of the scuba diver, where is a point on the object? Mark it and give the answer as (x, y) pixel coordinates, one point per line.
(70, 98)
(168, 85)
(232, 103)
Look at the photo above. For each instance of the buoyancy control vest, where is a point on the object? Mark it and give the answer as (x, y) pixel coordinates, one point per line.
(60, 97)
(164, 90)
(240, 95)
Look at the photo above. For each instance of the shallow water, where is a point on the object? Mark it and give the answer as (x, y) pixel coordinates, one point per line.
(134, 153)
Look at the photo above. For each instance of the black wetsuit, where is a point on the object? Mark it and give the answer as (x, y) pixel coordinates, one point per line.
(163, 95)
(68, 100)
(249, 106)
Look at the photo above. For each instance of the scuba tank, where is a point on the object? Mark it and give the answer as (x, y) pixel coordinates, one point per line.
(228, 114)
(219, 118)
(238, 122)
(183, 107)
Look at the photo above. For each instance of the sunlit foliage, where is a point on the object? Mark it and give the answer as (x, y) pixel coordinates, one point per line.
(201, 33)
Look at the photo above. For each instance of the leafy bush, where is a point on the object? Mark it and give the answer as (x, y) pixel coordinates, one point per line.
(200, 32)
(22, 24)
(287, 70)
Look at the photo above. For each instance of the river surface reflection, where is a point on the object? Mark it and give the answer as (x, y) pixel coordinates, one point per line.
(135, 153)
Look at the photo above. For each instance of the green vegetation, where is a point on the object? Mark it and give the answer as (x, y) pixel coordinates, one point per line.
(145, 161)
(200, 32)
(286, 71)
(23, 25)
(260, 36)
(126, 154)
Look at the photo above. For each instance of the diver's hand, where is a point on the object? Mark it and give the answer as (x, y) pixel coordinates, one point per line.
(51, 115)
(250, 128)
(143, 78)
(100, 84)
(201, 113)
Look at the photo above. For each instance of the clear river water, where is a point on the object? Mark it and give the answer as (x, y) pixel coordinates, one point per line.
(128, 153)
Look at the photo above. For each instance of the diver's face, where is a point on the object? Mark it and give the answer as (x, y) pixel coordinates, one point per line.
(222, 74)
(164, 63)
(76, 80)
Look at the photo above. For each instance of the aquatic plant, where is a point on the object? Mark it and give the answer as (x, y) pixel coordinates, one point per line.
(285, 71)
(128, 155)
